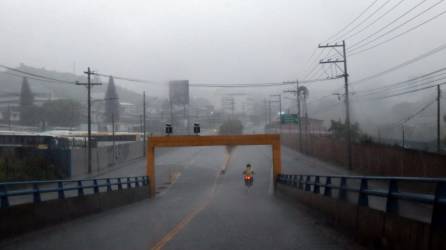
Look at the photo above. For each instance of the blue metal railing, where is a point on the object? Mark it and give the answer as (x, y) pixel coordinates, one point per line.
(32, 191)
(426, 191)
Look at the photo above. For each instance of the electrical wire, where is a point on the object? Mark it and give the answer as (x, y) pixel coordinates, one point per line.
(364, 20)
(351, 22)
(423, 77)
(36, 75)
(387, 25)
(408, 92)
(400, 34)
(376, 20)
(408, 62)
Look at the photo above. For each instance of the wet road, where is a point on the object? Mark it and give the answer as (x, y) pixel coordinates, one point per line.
(202, 209)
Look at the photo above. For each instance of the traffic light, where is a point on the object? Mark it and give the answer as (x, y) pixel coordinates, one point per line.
(196, 128)
(169, 129)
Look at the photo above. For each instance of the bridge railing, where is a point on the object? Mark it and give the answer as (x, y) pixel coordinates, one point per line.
(20, 192)
(423, 199)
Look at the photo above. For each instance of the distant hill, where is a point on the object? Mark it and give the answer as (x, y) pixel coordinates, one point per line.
(10, 82)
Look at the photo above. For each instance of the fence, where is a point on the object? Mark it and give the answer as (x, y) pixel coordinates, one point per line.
(370, 158)
(394, 190)
(36, 191)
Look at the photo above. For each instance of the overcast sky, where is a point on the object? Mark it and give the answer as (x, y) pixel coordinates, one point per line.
(207, 41)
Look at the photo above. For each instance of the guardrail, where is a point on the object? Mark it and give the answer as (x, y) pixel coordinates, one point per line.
(425, 191)
(60, 189)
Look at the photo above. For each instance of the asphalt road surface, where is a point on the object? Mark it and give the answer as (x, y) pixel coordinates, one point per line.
(198, 207)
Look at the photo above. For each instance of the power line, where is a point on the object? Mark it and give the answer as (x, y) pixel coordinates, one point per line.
(376, 20)
(408, 62)
(400, 34)
(429, 75)
(351, 22)
(387, 25)
(270, 84)
(125, 78)
(418, 112)
(364, 20)
(408, 92)
(36, 75)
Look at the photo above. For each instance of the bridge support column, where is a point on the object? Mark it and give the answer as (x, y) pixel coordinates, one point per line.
(277, 167)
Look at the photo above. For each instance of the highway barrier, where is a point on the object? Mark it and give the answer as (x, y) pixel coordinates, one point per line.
(31, 205)
(382, 212)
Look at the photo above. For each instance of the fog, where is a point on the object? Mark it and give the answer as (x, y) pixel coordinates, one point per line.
(213, 42)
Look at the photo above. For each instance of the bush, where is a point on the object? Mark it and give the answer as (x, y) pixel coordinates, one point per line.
(231, 127)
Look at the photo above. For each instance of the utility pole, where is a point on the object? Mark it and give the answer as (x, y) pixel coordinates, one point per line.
(144, 122)
(269, 112)
(89, 84)
(299, 119)
(9, 118)
(404, 136)
(280, 110)
(113, 137)
(438, 119)
(347, 101)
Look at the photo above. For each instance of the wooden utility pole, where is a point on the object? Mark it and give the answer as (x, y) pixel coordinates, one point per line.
(347, 101)
(89, 84)
(438, 119)
(113, 137)
(299, 117)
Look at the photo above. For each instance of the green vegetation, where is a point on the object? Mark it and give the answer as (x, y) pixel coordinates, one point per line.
(64, 112)
(35, 167)
(111, 102)
(231, 127)
(339, 130)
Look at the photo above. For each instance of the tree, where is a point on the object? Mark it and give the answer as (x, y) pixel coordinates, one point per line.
(63, 112)
(339, 130)
(29, 114)
(231, 127)
(111, 102)
(26, 95)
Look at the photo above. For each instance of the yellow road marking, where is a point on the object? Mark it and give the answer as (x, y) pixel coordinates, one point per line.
(190, 216)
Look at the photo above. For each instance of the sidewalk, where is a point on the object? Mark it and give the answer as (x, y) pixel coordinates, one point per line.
(294, 162)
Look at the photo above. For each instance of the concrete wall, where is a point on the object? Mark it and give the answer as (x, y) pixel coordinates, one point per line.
(373, 159)
(103, 157)
(24, 218)
(372, 228)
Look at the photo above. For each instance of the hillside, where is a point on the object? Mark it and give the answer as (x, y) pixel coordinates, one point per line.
(10, 82)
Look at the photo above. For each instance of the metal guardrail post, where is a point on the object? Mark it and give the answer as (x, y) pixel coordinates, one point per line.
(295, 181)
(301, 179)
(119, 184)
(363, 197)
(342, 189)
(95, 186)
(36, 193)
(392, 205)
(109, 189)
(327, 189)
(4, 196)
(307, 183)
(60, 191)
(439, 211)
(136, 181)
(80, 188)
(129, 185)
(316, 188)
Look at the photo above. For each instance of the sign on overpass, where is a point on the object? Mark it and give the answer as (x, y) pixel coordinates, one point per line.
(289, 119)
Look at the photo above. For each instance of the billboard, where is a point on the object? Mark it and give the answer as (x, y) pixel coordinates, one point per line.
(179, 92)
